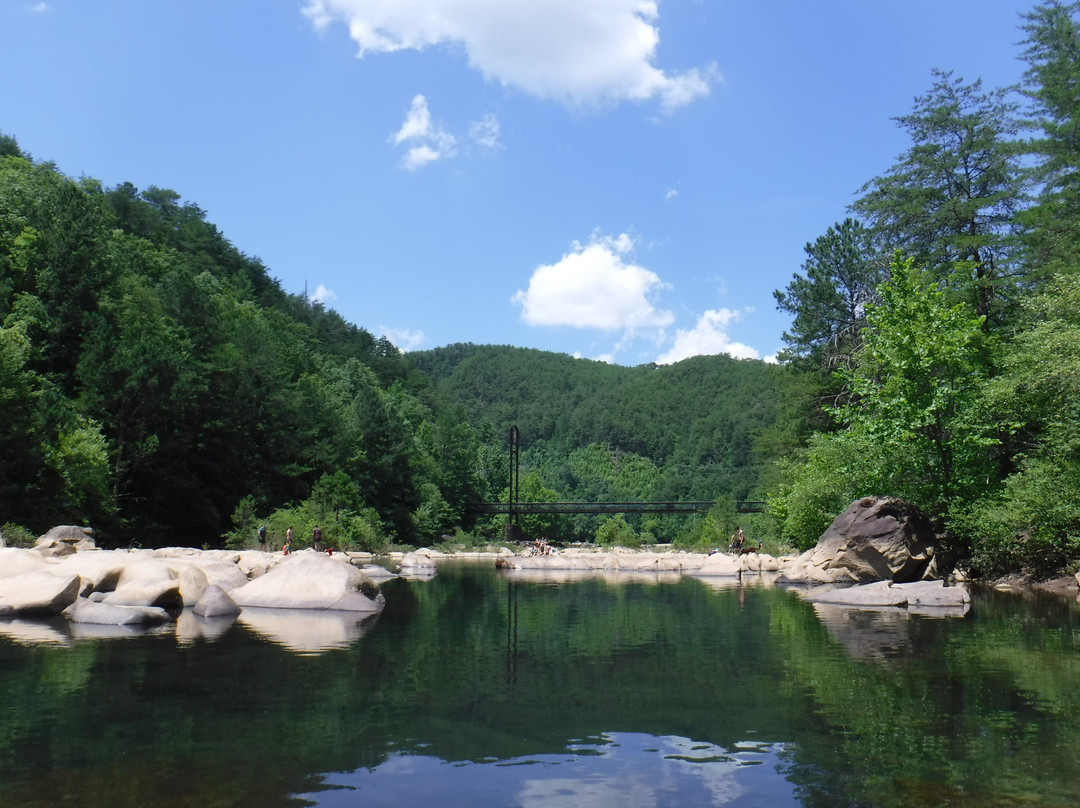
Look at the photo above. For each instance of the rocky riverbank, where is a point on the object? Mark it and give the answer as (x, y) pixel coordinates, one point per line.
(877, 554)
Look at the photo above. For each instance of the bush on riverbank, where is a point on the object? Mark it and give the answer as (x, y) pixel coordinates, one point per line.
(342, 530)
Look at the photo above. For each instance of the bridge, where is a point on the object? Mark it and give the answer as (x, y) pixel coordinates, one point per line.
(514, 507)
(694, 506)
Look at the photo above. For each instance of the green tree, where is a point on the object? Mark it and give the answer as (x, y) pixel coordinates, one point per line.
(916, 425)
(1033, 522)
(952, 199)
(614, 530)
(828, 301)
(1052, 83)
(915, 390)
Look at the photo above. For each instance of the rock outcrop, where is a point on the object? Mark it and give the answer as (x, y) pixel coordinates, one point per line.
(875, 539)
(65, 540)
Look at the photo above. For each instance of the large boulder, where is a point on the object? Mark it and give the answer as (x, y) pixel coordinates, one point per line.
(64, 540)
(38, 592)
(147, 582)
(875, 539)
(312, 581)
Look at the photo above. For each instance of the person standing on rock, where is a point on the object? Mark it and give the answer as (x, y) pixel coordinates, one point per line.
(738, 540)
(316, 538)
(288, 541)
(262, 538)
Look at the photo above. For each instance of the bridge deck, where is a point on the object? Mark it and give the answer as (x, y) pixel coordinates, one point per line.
(743, 506)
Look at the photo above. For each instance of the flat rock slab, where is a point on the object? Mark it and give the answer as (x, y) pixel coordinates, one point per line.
(111, 614)
(883, 593)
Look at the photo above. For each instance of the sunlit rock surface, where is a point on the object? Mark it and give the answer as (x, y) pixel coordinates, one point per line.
(312, 581)
(875, 539)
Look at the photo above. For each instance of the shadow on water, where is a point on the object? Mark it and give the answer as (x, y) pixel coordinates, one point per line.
(479, 689)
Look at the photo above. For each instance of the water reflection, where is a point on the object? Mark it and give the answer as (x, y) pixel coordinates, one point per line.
(192, 628)
(482, 690)
(611, 577)
(308, 631)
(880, 633)
(629, 770)
(33, 632)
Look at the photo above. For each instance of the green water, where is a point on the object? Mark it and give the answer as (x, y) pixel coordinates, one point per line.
(473, 689)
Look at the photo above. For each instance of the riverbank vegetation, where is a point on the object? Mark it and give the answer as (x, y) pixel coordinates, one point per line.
(949, 375)
(161, 385)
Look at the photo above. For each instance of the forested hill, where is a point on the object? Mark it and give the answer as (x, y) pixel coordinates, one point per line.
(695, 421)
(159, 384)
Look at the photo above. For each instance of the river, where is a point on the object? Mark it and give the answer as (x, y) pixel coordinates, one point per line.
(478, 689)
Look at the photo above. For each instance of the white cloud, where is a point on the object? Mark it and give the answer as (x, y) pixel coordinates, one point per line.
(578, 52)
(672, 194)
(431, 142)
(322, 295)
(708, 337)
(405, 339)
(485, 132)
(594, 287)
(419, 156)
(39, 8)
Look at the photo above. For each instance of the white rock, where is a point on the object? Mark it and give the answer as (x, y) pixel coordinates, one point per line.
(934, 593)
(377, 573)
(419, 559)
(110, 614)
(215, 602)
(100, 570)
(718, 565)
(146, 569)
(17, 560)
(39, 592)
(880, 593)
(311, 581)
(162, 592)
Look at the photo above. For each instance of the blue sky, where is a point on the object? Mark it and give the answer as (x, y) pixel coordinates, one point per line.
(616, 179)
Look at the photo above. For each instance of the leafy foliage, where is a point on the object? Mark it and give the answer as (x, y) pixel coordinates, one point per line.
(152, 377)
(951, 201)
